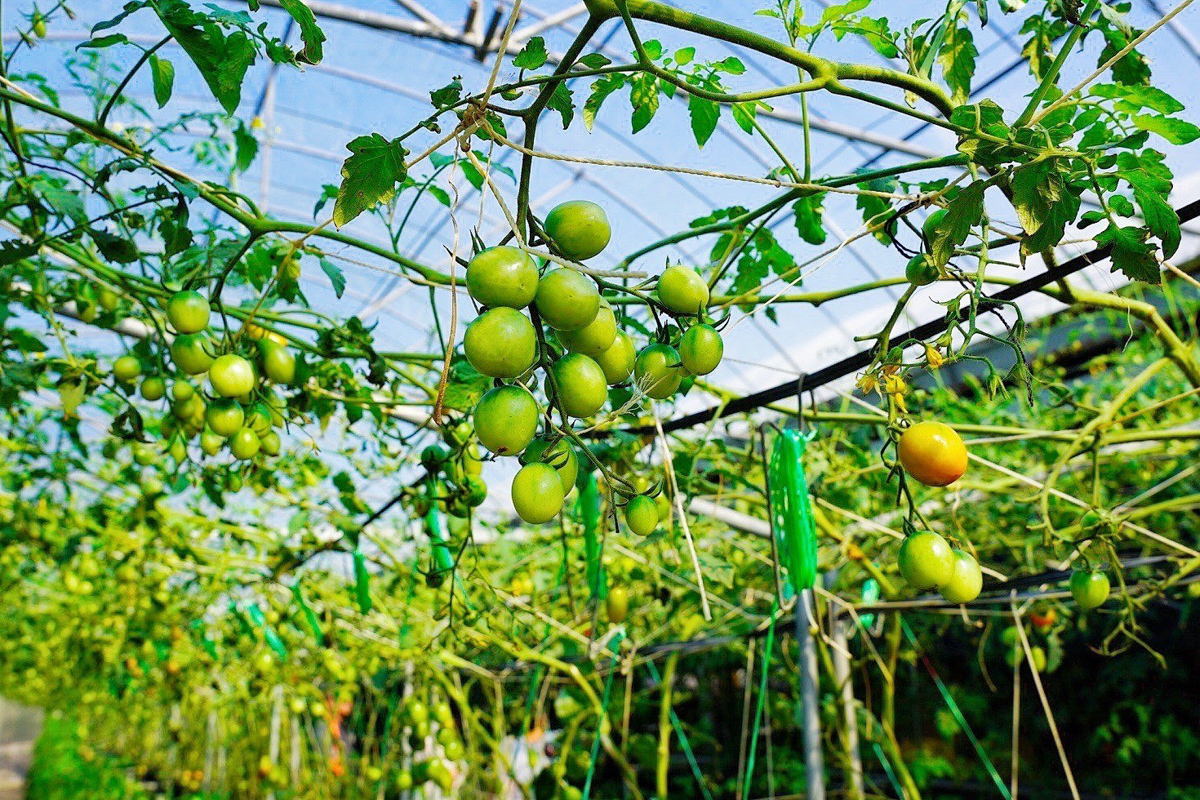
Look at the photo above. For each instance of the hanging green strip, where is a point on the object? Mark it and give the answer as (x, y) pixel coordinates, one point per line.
(615, 647)
(362, 582)
(957, 714)
(589, 512)
(253, 614)
(762, 697)
(310, 616)
(443, 561)
(870, 593)
(791, 510)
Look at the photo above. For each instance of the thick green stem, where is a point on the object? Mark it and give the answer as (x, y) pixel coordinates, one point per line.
(663, 762)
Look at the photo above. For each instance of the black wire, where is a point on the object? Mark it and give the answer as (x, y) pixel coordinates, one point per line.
(852, 364)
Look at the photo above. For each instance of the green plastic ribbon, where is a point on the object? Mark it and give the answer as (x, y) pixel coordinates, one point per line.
(252, 618)
(442, 559)
(362, 582)
(589, 512)
(870, 593)
(791, 510)
(310, 616)
(958, 716)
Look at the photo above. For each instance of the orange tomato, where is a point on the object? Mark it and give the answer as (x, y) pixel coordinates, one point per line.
(932, 453)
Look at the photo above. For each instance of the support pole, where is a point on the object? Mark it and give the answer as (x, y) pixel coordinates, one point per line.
(814, 766)
(841, 674)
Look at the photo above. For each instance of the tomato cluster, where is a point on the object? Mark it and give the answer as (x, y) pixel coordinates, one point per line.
(556, 320)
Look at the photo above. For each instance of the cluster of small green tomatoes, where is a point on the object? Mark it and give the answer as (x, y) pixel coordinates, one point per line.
(239, 412)
(557, 323)
(934, 454)
(424, 722)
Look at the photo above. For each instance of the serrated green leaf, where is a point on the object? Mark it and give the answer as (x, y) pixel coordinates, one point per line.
(1131, 254)
(448, 95)
(653, 48)
(1175, 131)
(594, 60)
(162, 72)
(245, 147)
(562, 101)
(310, 32)
(963, 213)
(1134, 98)
(601, 89)
(684, 55)
(101, 42)
(533, 55)
(732, 65)
(643, 96)
(808, 212)
(744, 115)
(957, 57)
(704, 115)
(222, 59)
(369, 176)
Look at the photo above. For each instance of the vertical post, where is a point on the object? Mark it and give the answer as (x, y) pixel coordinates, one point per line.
(841, 674)
(814, 766)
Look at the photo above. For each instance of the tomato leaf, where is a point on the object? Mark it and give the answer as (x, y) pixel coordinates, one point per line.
(644, 99)
(1175, 131)
(310, 32)
(1131, 254)
(963, 213)
(336, 277)
(744, 115)
(562, 101)
(222, 59)
(808, 212)
(369, 176)
(957, 58)
(601, 89)
(704, 115)
(533, 55)
(162, 72)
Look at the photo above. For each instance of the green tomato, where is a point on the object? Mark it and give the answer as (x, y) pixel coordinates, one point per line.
(1039, 658)
(561, 456)
(192, 353)
(926, 560)
(39, 26)
(454, 750)
(189, 408)
(502, 276)
(433, 457)
(225, 417)
(920, 270)
(231, 376)
(404, 780)
(143, 456)
(617, 604)
(932, 223)
(211, 443)
(126, 369)
(417, 711)
(181, 390)
(537, 493)
(476, 490)
(154, 388)
(581, 385)
(506, 420)
(270, 443)
(278, 362)
(501, 343)
(108, 299)
(682, 290)
(443, 713)
(259, 419)
(641, 515)
(1090, 589)
(579, 229)
(617, 361)
(440, 774)
(244, 444)
(658, 371)
(965, 580)
(567, 300)
(594, 338)
(188, 312)
(701, 349)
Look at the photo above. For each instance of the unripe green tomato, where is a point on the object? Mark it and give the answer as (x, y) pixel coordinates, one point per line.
(126, 369)
(926, 560)
(189, 408)
(211, 443)
(278, 362)
(433, 457)
(108, 299)
(225, 417)
(454, 750)
(39, 26)
(566, 299)
(595, 337)
(404, 780)
(641, 515)
(192, 353)
(439, 773)
(537, 493)
(443, 713)
(582, 388)
(446, 735)
(682, 290)
(244, 444)
(181, 390)
(1090, 589)
(142, 455)
(417, 711)
(658, 371)
(154, 388)
(188, 312)
(270, 443)
(178, 450)
(502, 277)
(259, 420)
(701, 349)
(501, 343)
(617, 361)
(932, 223)
(920, 270)
(579, 229)
(231, 376)
(965, 580)
(506, 420)
(617, 604)
(561, 456)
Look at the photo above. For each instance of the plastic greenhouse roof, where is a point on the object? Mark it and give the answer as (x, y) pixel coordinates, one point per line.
(383, 57)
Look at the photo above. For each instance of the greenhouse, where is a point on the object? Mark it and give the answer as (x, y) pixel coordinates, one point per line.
(628, 399)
